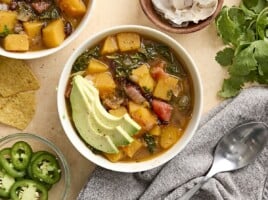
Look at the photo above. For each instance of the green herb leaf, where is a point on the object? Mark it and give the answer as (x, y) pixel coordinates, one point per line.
(125, 63)
(5, 32)
(262, 24)
(150, 141)
(255, 5)
(225, 57)
(228, 30)
(244, 62)
(234, 26)
(231, 87)
(261, 56)
(245, 30)
(81, 62)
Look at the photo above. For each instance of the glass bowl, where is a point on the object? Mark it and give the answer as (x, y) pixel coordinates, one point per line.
(60, 189)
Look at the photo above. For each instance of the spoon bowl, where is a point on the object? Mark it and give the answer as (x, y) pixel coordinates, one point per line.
(242, 144)
(235, 150)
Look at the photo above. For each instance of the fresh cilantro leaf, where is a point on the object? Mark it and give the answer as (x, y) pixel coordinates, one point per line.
(231, 86)
(228, 30)
(249, 13)
(237, 15)
(255, 5)
(234, 26)
(262, 79)
(244, 62)
(261, 55)
(225, 57)
(245, 30)
(262, 24)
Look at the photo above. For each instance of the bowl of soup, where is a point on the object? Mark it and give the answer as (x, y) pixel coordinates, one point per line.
(34, 29)
(129, 98)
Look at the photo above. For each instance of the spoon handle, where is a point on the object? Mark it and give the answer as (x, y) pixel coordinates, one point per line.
(193, 190)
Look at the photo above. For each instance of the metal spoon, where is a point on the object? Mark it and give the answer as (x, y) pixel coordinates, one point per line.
(235, 150)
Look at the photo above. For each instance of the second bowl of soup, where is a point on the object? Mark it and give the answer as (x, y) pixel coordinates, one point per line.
(130, 98)
(34, 29)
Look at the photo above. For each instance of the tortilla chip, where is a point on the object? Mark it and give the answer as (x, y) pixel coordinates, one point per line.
(15, 77)
(17, 110)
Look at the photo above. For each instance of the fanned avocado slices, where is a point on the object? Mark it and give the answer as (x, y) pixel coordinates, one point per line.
(95, 125)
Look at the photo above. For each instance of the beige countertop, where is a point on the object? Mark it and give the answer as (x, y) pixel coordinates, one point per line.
(201, 45)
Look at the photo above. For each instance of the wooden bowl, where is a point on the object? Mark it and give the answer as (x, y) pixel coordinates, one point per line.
(151, 13)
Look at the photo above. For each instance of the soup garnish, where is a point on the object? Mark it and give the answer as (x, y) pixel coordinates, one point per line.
(129, 76)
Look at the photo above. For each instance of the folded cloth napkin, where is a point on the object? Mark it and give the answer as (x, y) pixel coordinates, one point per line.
(173, 179)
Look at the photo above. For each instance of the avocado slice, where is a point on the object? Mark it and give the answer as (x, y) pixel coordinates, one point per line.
(80, 113)
(118, 135)
(126, 122)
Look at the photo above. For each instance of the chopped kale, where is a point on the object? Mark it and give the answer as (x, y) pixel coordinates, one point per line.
(5, 32)
(25, 12)
(50, 14)
(150, 141)
(81, 62)
(125, 63)
(152, 50)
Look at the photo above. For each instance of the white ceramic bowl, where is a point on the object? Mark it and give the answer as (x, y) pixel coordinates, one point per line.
(45, 52)
(131, 166)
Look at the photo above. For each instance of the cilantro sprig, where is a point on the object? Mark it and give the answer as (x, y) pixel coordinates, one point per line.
(244, 30)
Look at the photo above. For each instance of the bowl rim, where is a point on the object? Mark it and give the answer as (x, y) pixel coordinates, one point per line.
(149, 11)
(132, 166)
(46, 52)
(66, 168)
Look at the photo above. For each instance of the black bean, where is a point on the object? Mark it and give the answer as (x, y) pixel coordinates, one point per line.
(68, 29)
(13, 5)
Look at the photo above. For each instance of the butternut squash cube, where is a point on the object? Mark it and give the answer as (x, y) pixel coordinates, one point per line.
(114, 157)
(16, 42)
(147, 83)
(128, 41)
(139, 72)
(119, 112)
(169, 136)
(109, 45)
(165, 87)
(143, 78)
(143, 116)
(132, 148)
(155, 131)
(96, 66)
(53, 34)
(8, 19)
(5, 1)
(33, 29)
(74, 8)
(132, 107)
(104, 82)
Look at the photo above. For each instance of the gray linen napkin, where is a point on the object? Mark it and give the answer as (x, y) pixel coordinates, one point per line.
(171, 180)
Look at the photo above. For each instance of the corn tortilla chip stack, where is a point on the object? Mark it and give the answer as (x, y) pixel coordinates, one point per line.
(17, 95)
(15, 77)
